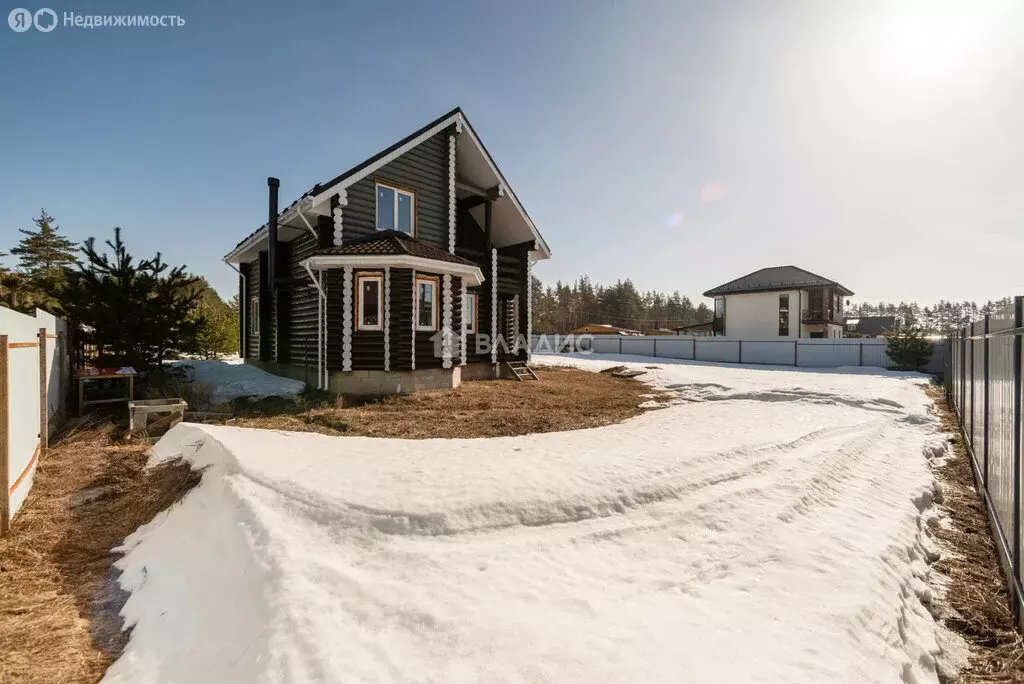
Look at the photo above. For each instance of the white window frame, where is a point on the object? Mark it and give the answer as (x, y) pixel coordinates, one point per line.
(398, 191)
(475, 298)
(254, 315)
(360, 279)
(435, 285)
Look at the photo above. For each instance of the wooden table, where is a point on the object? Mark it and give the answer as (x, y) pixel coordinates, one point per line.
(90, 374)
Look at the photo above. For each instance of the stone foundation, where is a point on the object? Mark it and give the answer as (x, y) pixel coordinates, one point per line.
(478, 371)
(380, 383)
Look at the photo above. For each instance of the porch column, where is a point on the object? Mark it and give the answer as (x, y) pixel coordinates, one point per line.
(387, 318)
(524, 308)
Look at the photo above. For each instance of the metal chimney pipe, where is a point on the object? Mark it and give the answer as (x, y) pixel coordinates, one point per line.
(272, 184)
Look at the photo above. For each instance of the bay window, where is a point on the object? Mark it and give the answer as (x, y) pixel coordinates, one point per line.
(369, 301)
(396, 209)
(426, 303)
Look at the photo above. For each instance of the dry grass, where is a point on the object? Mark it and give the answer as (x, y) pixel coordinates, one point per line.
(58, 594)
(562, 399)
(977, 592)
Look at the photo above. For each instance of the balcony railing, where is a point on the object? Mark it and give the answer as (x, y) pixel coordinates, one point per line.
(817, 315)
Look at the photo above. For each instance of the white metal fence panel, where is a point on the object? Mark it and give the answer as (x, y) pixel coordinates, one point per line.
(33, 366)
(717, 349)
(773, 352)
(639, 346)
(22, 411)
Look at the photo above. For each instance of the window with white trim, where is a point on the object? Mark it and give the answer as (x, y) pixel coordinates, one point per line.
(254, 315)
(426, 303)
(396, 209)
(469, 311)
(369, 301)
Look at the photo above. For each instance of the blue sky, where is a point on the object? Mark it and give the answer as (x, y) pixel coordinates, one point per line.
(680, 144)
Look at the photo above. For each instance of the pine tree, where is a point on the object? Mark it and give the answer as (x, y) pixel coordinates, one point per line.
(137, 314)
(218, 334)
(44, 257)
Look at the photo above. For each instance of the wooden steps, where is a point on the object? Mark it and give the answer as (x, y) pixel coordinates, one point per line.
(521, 371)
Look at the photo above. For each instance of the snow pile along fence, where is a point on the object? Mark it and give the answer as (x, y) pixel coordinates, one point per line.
(984, 385)
(33, 378)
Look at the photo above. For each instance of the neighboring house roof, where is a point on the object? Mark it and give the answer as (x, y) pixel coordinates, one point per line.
(696, 326)
(603, 329)
(315, 198)
(775, 278)
(872, 325)
(387, 242)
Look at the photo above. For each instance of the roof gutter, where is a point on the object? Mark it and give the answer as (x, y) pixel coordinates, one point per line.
(260, 235)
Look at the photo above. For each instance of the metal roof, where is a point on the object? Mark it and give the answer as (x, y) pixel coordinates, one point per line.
(775, 278)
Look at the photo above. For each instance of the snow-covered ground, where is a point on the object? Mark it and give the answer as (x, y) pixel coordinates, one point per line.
(766, 527)
(230, 379)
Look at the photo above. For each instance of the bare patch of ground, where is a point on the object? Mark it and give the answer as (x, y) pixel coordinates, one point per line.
(59, 598)
(978, 602)
(561, 399)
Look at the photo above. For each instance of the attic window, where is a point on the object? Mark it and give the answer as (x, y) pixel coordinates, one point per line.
(396, 209)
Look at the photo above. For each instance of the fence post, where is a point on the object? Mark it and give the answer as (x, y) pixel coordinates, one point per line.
(1018, 343)
(741, 351)
(963, 377)
(970, 433)
(44, 406)
(984, 402)
(5, 443)
(620, 344)
(655, 346)
(796, 353)
(694, 340)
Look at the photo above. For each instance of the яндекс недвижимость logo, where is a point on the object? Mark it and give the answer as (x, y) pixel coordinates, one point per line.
(21, 19)
(45, 20)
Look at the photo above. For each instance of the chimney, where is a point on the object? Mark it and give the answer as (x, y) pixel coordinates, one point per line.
(272, 184)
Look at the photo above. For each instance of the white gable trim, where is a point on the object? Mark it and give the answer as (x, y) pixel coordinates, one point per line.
(326, 195)
(460, 125)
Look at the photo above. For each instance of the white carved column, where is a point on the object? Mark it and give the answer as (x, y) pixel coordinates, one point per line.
(452, 199)
(414, 316)
(446, 322)
(494, 305)
(346, 317)
(338, 210)
(462, 333)
(387, 318)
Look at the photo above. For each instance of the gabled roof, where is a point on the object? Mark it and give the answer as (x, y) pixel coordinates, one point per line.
(507, 206)
(393, 242)
(775, 278)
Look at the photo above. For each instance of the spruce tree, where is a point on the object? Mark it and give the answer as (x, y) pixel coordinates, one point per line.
(44, 257)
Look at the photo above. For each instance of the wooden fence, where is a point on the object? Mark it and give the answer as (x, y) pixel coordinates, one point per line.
(34, 374)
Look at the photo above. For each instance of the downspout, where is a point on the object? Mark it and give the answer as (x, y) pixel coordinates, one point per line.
(319, 328)
(272, 185)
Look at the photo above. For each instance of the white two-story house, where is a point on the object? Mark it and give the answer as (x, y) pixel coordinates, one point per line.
(780, 301)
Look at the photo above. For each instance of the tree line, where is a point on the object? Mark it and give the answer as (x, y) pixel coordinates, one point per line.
(938, 319)
(566, 307)
(132, 312)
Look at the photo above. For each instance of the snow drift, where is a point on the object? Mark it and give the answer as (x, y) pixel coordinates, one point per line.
(766, 527)
(229, 380)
